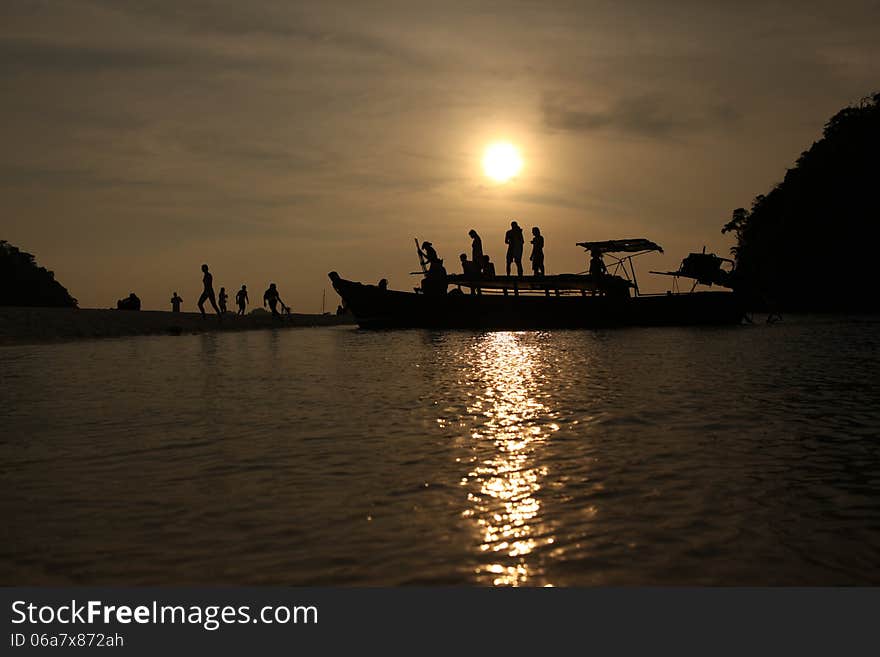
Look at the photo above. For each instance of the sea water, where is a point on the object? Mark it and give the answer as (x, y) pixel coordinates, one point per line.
(736, 455)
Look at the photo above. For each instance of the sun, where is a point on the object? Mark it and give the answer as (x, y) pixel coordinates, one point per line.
(502, 162)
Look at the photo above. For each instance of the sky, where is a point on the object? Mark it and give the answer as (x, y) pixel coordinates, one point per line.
(277, 141)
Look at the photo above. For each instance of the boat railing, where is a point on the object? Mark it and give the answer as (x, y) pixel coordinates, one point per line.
(554, 285)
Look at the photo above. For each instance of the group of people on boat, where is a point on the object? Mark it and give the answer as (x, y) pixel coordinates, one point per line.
(271, 298)
(480, 265)
(131, 302)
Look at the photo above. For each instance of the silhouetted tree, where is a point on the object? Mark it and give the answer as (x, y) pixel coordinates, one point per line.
(809, 243)
(23, 283)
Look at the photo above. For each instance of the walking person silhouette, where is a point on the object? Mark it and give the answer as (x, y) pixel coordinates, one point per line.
(272, 298)
(241, 298)
(222, 299)
(208, 293)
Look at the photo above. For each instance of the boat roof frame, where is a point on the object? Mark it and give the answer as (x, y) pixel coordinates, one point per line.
(635, 245)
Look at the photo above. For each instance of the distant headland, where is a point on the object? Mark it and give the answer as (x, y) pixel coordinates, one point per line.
(24, 283)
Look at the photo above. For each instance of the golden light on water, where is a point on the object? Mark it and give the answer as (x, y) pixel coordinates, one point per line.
(506, 476)
(502, 162)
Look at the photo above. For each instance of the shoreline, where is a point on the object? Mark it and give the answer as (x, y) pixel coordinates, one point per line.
(34, 325)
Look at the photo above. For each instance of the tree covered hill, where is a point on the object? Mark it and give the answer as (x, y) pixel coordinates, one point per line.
(811, 243)
(23, 283)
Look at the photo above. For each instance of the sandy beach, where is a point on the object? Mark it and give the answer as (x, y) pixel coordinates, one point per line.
(21, 325)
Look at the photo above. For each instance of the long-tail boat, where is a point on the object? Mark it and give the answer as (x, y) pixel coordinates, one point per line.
(605, 298)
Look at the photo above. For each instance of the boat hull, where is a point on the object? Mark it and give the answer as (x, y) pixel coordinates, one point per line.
(377, 308)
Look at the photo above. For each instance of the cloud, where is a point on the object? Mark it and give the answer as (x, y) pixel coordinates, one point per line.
(242, 20)
(245, 150)
(649, 116)
(78, 177)
(28, 55)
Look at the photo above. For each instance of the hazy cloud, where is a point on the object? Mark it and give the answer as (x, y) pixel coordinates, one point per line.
(23, 55)
(641, 116)
(283, 21)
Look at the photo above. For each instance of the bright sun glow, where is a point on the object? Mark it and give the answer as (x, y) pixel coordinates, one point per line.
(502, 162)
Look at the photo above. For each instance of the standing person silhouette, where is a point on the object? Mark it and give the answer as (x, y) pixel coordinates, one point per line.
(598, 272)
(222, 299)
(272, 298)
(476, 247)
(514, 240)
(175, 303)
(241, 298)
(208, 293)
(537, 256)
(597, 264)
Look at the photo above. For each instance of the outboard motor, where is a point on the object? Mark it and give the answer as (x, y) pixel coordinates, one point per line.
(705, 268)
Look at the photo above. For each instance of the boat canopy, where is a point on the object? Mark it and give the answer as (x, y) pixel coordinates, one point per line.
(622, 246)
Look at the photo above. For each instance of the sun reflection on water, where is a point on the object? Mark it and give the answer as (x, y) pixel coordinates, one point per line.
(510, 425)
